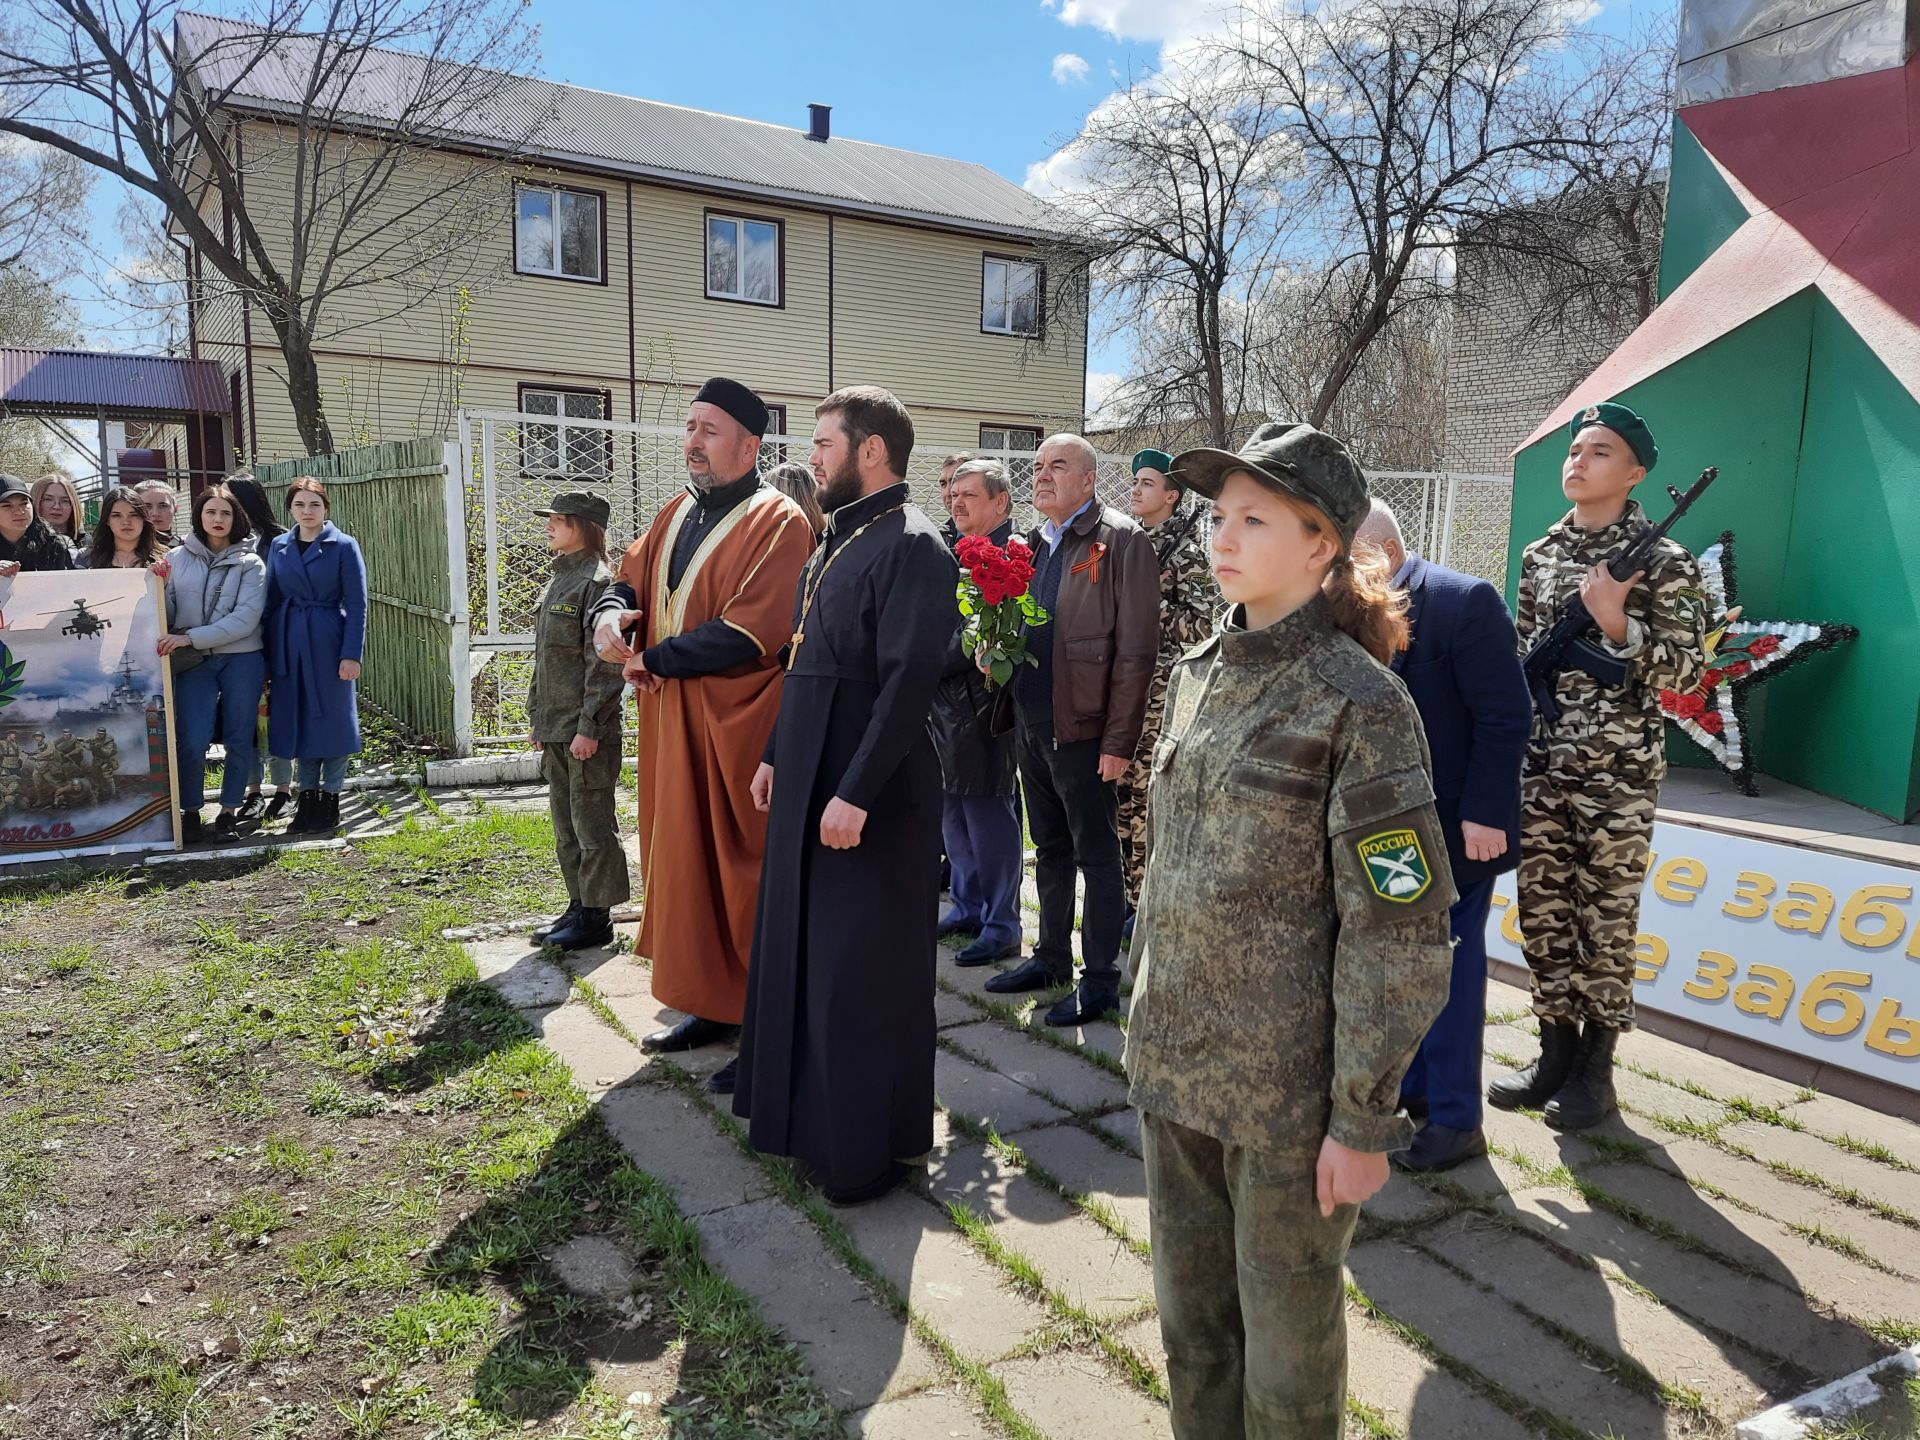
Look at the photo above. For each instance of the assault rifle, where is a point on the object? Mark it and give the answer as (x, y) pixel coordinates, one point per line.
(1567, 644)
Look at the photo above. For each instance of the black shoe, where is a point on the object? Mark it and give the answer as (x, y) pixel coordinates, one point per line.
(981, 953)
(277, 806)
(1532, 1087)
(253, 807)
(1416, 1106)
(860, 1194)
(559, 922)
(720, 1082)
(304, 813)
(591, 925)
(1587, 1098)
(1440, 1147)
(226, 828)
(1034, 975)
(190, 827)
(1082, 1008)
(690, 1034)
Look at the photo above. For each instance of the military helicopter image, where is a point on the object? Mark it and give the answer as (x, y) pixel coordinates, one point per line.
(85, 624)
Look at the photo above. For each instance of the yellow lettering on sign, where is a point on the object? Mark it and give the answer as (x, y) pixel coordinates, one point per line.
(1870, 920)
(1767, 990)
(1680, 881)
(1750, 894)
(1835, 987)
(1893, 1033)
(1806, 908)
(1710, 980)
(1649, 957)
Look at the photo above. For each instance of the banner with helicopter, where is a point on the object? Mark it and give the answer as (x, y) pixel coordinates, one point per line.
(86, 750)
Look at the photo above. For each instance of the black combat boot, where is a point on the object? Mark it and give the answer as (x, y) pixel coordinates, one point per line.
(1587, 1098)
(1532, 1087)
(560, 922)
(592, 925)
(190, 827)
(303, 813)
(326, 818)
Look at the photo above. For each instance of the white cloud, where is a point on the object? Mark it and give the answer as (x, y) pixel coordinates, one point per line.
(1068, 68)
(1100, 387)
(1168, 21)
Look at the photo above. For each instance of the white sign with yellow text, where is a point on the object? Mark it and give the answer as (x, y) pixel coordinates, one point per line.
(1809, 952)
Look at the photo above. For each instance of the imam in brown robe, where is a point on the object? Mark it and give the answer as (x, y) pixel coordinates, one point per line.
(714, 580)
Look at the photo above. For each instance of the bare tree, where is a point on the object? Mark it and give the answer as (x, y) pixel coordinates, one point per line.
(1174, 195)
(302, 148)
(1415, 121)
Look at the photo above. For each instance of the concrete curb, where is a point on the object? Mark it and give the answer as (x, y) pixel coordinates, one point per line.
(1844, 1398)
(516, 769)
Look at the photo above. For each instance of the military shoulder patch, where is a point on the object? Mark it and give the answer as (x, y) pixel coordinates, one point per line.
(1396, 865)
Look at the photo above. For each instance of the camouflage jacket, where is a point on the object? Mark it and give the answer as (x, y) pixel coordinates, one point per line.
(1189, 595)
(574, 691)
(1621, 731)
(1293, 942)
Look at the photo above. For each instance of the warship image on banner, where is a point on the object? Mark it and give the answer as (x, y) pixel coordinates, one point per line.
(84, 756)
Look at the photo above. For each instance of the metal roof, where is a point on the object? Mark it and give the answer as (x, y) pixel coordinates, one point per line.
(89, 382)
(565, 124)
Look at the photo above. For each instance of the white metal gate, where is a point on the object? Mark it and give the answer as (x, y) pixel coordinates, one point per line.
(513, 462)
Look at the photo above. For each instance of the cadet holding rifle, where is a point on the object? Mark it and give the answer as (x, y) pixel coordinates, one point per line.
(1597, 753)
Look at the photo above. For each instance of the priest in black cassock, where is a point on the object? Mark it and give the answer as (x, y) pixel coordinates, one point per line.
(836, 1056)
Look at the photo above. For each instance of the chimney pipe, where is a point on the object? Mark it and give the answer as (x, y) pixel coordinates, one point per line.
(818, 127)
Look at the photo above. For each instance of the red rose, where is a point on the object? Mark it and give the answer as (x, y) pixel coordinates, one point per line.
(1711, 680)
(1764, 645)
(1712, 723)
(968, 550)
(1018, 549)
(1740, 667)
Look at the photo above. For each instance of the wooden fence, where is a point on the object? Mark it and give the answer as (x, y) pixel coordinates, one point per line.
(395, 499)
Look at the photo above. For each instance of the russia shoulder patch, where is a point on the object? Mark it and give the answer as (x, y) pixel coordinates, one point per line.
(1396, 865)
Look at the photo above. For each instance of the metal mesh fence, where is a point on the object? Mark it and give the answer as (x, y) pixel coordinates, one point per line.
(516, 462)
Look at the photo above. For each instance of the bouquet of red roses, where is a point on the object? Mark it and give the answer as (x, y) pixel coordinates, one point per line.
(995, 604)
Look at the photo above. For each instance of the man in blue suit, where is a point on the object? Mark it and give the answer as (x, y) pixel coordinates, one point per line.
(1463, 671)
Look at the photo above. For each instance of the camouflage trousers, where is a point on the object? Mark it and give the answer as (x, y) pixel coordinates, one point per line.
(1251, 1289)
(1584, 838)
(1133, 787)
(586, 832)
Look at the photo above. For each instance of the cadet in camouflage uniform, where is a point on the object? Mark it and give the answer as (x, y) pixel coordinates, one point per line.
(574, 712)
(1189, 605)
(1592, 778)
(1293, 945)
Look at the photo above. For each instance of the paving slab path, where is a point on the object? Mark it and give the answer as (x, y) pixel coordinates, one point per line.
(1727, 1242)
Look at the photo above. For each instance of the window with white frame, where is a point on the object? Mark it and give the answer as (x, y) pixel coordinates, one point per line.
(1009, 296)
(560, 448)
(557, 232)
(743, 259)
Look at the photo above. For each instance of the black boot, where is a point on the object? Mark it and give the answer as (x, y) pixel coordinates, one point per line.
(330, 812)
(1532, 1087)
(303, 813)
(190, 827)
(1587, 1098)
(591, 925)
(560, 922)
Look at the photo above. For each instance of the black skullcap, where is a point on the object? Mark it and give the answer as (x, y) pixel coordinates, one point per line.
(738, 401)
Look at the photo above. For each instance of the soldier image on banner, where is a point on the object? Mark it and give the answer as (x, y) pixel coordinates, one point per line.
(1593, 770)
(1292, 944)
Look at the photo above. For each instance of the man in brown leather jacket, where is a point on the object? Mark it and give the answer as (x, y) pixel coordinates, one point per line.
(1078, 717)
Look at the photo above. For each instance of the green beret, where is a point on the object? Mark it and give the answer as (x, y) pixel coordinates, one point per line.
(1624, 423)
(1152, 460)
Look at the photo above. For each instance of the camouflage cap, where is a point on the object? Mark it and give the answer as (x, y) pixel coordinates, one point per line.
(1293, 458)
(1624, 423)
(579, 504)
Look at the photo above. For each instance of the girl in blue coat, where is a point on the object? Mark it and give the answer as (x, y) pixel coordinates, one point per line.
(316, 634)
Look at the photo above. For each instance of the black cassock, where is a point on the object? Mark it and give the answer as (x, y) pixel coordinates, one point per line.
(836, 1058)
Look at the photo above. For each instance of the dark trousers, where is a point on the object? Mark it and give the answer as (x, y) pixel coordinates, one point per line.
(984, 843)
(1447, 1067)
(1252, 1296)
(1073, 816)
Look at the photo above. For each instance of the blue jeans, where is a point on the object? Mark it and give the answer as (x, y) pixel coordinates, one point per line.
(983, 842)
(1446, 1070)
(223, 692)
(328, 774)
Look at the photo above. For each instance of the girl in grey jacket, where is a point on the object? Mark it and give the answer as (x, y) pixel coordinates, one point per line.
(216, 595)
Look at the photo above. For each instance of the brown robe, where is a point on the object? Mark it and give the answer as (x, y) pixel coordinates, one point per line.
(701, 840)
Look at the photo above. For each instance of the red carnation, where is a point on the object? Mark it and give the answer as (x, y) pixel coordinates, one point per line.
(1764, 645)
(1711, 680)
(1740, 667)
(1691, 706)
(1669, 701)
(1712, 723)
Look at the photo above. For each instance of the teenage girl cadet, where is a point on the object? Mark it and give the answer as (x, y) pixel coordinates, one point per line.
(573, 712)
(1293, 941)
